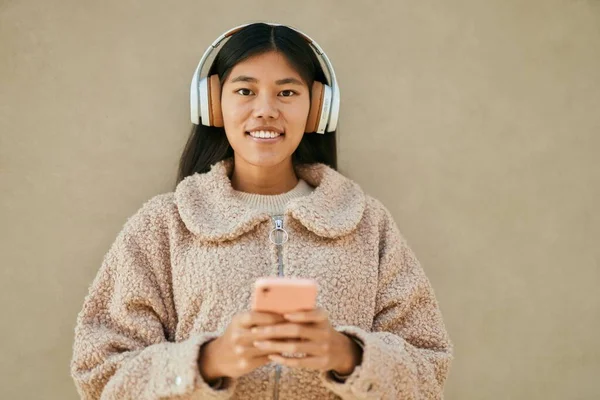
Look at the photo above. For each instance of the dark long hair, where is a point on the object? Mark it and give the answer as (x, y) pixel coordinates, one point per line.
(208, 145)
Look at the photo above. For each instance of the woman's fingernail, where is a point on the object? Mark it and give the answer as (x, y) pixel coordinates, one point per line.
(258, 343)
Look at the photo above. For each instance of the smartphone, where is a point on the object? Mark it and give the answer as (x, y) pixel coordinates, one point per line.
(282, 295)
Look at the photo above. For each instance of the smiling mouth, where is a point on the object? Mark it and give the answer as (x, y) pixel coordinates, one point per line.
(265, 135)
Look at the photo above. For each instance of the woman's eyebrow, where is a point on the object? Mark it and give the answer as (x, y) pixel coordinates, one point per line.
(288, 80)
(244, 78)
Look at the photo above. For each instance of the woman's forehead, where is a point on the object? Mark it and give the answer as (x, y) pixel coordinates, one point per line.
(271, 67)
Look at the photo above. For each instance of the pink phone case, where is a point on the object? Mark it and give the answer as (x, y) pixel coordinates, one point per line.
(282, 295)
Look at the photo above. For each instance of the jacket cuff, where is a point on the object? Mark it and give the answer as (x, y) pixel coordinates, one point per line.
(183, 375)
(367, 381)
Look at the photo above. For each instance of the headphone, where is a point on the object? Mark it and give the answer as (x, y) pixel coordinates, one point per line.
(205, 92)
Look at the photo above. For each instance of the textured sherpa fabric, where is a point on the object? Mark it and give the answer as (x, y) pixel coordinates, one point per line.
(186, 262)
(275, 204)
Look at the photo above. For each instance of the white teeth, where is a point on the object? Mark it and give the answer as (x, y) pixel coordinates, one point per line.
(264, 134)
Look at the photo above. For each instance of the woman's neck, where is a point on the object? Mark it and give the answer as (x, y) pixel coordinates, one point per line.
(271, 180)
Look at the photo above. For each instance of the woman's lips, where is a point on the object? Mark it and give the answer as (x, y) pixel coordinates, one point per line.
(265, 140)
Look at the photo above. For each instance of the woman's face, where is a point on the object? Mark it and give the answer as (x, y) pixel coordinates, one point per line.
(265, 96)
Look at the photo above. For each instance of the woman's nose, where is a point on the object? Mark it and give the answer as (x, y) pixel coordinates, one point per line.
(265, 107)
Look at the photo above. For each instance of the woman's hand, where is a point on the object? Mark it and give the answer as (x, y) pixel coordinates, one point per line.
(309, 333)
(233, 354)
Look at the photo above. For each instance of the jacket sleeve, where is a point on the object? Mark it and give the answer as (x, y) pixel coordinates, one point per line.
(124, 344)
(408, 353)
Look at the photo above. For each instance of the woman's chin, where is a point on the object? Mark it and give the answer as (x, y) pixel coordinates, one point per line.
(263, 160)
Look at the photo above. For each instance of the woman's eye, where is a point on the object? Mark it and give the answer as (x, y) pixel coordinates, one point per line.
(244, 92)
(283, 93)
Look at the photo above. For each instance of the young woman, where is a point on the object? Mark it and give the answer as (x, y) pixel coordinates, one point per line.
(168, 315)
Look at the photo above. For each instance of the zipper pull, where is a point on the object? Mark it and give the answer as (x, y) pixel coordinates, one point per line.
(278, 236)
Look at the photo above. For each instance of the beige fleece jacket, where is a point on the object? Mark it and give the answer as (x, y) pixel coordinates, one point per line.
(186, 262)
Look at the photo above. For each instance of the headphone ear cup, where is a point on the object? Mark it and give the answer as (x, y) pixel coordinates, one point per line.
(316, 105)
(195, 100)
(214, 101)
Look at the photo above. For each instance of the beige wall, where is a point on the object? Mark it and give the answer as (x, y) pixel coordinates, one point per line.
(475, 122)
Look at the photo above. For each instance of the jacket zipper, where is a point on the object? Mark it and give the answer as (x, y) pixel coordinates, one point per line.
(278, 236)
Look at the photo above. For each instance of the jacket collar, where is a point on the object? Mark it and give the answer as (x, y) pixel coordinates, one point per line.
(209, 209)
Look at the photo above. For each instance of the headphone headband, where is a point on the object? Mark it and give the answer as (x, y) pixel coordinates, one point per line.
(332, 109)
